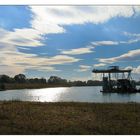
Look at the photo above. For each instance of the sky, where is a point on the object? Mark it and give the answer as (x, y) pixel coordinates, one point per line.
(68, 41)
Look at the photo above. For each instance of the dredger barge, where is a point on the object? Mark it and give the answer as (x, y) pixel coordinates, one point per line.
(121, 82)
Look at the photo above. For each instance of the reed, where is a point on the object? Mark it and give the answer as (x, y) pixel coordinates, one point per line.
(17, 117)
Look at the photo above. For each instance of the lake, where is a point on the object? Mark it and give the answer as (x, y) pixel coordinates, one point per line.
(68, 94)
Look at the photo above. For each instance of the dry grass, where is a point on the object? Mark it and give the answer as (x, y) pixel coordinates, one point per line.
(69, 118)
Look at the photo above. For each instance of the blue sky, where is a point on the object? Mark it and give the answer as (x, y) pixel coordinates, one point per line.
(68, 41)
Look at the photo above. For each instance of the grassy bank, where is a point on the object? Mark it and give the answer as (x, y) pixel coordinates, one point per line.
(69, 118)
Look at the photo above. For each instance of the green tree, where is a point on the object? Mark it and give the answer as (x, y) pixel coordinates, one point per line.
(56, 80)
(20, 78)
(4, 79)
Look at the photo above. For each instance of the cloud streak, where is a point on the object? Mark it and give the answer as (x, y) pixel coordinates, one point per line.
(21, 37)
(78, 51)
(99, 65)
(104, 43)
(19, 62)
(133, 55)
(134, 38)
(83, 68)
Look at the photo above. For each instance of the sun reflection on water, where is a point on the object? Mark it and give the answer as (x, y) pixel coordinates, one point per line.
(47, 94)
(67, 94)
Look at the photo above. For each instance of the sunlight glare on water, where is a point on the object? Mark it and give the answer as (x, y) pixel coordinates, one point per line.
(67, 94)
(47, 94)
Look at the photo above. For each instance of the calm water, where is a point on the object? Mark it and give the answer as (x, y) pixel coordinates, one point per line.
(65, 94)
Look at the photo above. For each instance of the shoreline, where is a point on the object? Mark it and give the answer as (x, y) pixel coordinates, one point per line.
(32, 86)
(39, 86)
(69, 118)
(29, 86)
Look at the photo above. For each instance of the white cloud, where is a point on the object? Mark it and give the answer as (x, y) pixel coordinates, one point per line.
(23, 48)
(99, 65)
(97, 76)
(11, 70)
(59, 59)
(133, 55)
(44, 68)
(130, 41)
(21, 37)
(19, 62)
(78, 51)
(135, 70)
(131, 34)
(50, 19)
(104, 43)
(83, 68)
(135, 37)
(14, 62)
(9, 45)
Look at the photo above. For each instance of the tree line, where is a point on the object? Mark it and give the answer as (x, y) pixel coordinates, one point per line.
(21, 81)
(20, 78)
(53, 80)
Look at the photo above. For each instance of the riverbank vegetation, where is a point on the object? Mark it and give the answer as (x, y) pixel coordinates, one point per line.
(20, 81)
(18, 117)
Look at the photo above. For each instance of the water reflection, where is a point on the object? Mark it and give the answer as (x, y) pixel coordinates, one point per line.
(117, 97)
(67, 94)
(47, 94)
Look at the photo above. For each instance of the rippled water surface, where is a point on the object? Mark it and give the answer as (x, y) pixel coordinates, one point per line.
(66, 94)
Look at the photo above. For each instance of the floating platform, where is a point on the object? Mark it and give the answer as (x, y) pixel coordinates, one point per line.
(125, 84)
